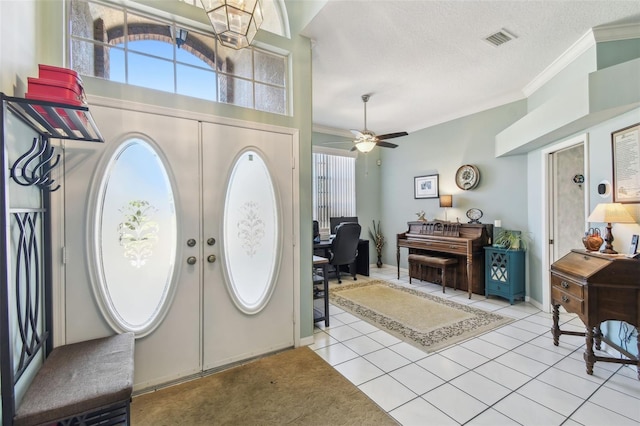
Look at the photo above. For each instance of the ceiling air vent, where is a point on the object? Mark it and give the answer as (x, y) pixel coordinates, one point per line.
(499, 38)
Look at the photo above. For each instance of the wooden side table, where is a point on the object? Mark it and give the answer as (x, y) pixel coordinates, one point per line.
(321, 288)
(598, 288)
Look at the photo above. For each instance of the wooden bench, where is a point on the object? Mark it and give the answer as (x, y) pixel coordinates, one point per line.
(441, 263)
(83, 383)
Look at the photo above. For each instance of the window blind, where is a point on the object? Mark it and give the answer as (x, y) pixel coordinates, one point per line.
(334, 187)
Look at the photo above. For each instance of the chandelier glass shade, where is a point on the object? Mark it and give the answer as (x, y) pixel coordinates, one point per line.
(365, 141)
(235, 22)
(365, 145)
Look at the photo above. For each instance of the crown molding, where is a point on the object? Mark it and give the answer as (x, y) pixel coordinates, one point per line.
(588, 40)
(617, 32)
(583, 44)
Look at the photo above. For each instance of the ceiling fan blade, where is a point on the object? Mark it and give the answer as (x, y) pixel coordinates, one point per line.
(391, 135)
(386, 144)
(357, 133)
(353, 149)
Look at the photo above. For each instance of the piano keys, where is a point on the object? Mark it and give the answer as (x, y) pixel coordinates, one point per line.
(464, 241)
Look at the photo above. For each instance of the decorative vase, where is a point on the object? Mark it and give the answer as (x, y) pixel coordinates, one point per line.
(379, 262)
(592, 242)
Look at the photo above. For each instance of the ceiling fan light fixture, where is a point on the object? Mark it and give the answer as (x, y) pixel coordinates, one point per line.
(365, 145)
(235, 22)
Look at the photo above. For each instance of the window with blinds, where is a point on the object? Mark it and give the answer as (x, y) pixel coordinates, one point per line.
(334, 187)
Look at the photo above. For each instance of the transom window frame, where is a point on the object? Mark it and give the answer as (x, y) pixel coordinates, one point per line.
(224, 93)
(334, 184)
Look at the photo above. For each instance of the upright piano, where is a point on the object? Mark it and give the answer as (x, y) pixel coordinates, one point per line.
(452, 239)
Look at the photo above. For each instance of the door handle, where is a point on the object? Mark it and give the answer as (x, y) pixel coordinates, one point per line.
(211, 258)
(191, 260)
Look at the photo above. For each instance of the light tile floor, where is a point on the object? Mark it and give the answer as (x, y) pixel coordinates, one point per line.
(508, 376)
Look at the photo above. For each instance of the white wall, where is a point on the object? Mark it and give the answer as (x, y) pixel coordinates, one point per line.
(17, 46)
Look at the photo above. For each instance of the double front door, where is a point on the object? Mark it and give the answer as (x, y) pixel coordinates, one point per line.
(182, 231)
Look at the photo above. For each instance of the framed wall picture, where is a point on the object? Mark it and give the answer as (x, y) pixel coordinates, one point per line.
(426, 186)
(625, 145)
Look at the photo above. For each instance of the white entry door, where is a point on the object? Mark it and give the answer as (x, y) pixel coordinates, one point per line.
(169, 233)
(248, 206)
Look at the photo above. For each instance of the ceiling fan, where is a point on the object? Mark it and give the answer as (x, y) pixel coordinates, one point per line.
(366, 140)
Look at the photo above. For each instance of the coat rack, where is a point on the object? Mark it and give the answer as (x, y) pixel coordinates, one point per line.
(25, 289)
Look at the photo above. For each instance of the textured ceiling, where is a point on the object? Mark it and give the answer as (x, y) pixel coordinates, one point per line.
(426, 62)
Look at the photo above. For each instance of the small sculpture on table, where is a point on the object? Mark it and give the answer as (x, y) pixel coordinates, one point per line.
(592, 239)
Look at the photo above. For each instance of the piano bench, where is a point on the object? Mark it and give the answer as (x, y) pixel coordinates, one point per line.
(420, 260)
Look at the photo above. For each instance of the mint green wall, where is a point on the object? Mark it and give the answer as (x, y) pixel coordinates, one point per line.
(441, 150)
(385, 192)
(615, 52)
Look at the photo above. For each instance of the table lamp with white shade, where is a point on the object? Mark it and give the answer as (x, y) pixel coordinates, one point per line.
(610, 213)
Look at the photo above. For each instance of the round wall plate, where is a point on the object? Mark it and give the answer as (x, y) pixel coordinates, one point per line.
(467, 177)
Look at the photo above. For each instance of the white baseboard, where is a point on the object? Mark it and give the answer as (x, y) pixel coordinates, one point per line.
(307, 341)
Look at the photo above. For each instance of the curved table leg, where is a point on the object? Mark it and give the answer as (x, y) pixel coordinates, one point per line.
(555, 329)
(589, 356)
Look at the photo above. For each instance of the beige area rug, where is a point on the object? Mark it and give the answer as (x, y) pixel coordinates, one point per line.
(295, 387)
(426, 321)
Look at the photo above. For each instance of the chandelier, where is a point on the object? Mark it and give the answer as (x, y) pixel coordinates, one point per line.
(235, 22)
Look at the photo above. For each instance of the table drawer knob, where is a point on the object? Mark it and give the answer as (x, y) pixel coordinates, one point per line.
(564, 284)
(565, 299)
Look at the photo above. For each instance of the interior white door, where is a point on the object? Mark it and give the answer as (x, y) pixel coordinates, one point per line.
(248, 210)
(173, 348)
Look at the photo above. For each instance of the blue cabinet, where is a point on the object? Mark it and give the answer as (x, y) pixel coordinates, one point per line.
(504, 273)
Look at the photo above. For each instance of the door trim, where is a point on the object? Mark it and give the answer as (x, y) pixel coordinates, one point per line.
(58, 202)
(547, 202)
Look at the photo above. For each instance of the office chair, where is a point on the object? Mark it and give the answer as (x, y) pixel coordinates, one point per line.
(344, 248)
(316, 231)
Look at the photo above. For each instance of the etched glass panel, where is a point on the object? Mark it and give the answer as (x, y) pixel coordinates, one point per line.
(136, 232)
(251, 245)
(270, 68)
(269, 98)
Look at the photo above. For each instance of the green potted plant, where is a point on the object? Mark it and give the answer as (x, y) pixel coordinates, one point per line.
(378, 239)
(512, 240)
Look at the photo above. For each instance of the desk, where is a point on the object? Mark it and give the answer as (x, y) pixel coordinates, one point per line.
(597, 288)
(362, 260)
(323, 292)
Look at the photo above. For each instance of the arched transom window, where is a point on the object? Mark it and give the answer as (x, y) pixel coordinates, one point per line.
(116, 43)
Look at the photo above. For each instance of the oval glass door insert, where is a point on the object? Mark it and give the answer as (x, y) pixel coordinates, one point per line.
(135, 238)
(251, 243)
